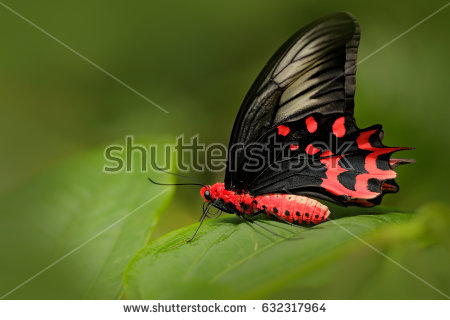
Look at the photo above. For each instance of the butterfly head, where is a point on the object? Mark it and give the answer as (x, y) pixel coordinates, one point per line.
(215, 192)
(205, 192)
(219, 197)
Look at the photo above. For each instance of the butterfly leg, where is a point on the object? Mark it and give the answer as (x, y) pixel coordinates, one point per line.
(246, 219)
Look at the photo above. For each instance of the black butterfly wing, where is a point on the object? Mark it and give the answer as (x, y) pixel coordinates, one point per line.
(324, 156)
(314, 71)
(312, 76)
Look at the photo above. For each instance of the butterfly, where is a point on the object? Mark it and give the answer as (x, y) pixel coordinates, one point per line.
(295, 138)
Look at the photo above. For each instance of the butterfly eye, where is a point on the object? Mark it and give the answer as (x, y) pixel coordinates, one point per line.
(207, 195)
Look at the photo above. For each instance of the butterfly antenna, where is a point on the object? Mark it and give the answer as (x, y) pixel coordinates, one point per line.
(175, 184)
(154, 165)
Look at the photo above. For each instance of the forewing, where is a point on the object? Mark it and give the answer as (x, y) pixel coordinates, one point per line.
(313, 72)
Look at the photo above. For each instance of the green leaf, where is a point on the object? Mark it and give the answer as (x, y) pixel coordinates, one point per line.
(70, 233)
(230, 259)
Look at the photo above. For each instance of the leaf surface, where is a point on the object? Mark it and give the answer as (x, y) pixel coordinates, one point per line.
(230, 259)
(69, 233)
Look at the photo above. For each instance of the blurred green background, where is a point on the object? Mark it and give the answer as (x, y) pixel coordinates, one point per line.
(197, 59)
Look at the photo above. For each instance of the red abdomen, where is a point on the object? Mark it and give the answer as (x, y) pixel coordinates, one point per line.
(292, 208)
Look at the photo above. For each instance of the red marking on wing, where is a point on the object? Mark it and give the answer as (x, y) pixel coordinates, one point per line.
(371, 158)
(339, 127)
(393, 162)
(331, 182)
(363, 202)
(396, 162)
(294, 147)
(326, 153)
(311, 124)
(389, 187)
(310, 149)
(283, 130)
